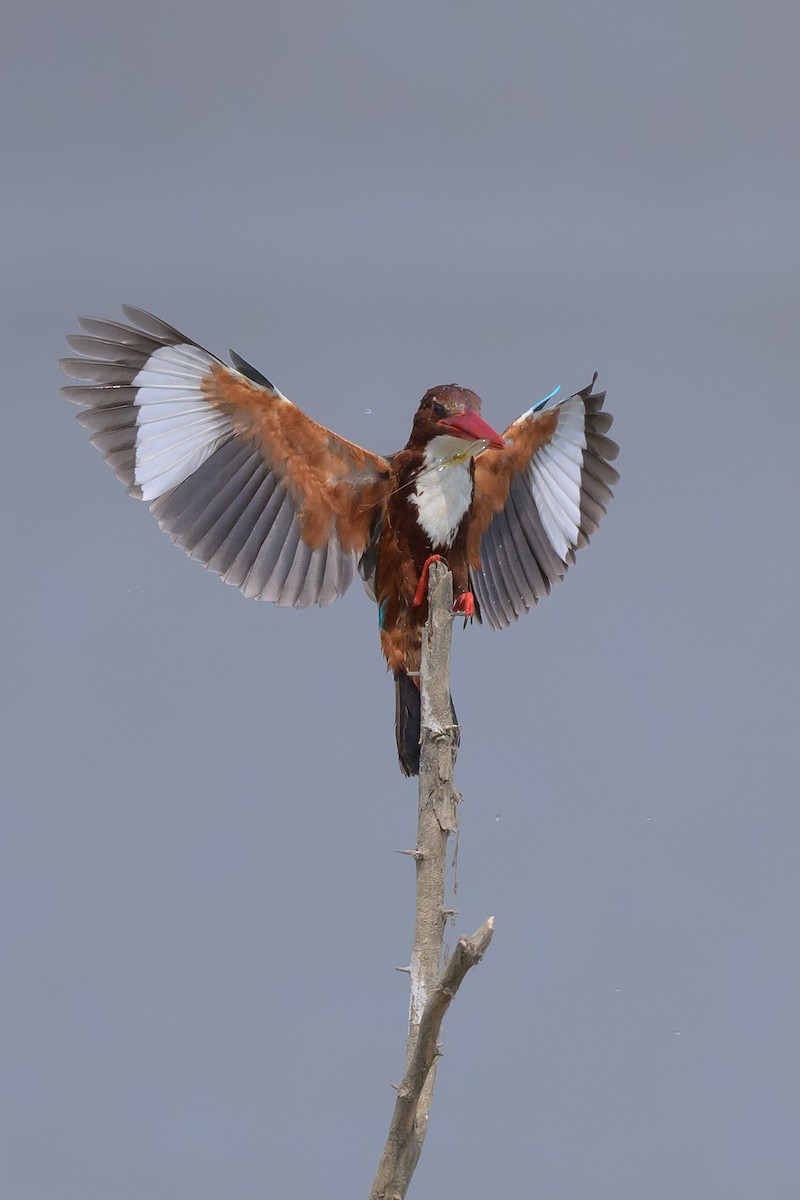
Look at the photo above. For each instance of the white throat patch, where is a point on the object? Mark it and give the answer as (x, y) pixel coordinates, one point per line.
(444, 487)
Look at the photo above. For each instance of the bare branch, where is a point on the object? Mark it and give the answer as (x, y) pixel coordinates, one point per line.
(432, 988)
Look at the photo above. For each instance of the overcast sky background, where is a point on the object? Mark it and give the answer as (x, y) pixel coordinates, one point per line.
(201, 905)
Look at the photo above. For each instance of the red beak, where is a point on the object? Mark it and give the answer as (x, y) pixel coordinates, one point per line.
(472, 427)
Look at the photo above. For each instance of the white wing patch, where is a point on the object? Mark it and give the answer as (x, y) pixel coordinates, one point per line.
(177, 429)
(555, 477)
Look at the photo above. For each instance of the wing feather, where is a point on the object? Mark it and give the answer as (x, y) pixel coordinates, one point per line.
(237, 476)
(515, 584)
(538, 501)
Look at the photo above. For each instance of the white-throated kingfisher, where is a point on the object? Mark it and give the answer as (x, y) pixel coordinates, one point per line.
(289, 511)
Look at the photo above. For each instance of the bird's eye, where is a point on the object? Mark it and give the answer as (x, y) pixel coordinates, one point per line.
(439, 410)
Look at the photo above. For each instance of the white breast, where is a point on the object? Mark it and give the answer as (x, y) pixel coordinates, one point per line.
(444, 488)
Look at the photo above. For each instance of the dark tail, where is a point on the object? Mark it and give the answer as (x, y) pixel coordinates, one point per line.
(407, 722)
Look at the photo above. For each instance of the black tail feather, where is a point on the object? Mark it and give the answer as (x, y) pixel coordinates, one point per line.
(407, 722)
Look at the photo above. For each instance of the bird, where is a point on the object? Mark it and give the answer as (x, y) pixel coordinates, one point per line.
(288, 511)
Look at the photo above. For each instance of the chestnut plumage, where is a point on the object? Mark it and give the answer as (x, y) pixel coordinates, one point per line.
(289, 511)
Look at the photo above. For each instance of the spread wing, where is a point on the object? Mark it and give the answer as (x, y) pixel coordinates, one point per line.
(538, 501)
(236, 474)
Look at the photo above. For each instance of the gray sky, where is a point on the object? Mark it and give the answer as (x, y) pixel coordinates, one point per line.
(201, 904)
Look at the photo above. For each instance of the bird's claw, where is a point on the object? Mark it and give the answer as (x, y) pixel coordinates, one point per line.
(465, 604)
(422, 586)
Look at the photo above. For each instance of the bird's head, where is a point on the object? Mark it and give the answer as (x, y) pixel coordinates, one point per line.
(454, 413)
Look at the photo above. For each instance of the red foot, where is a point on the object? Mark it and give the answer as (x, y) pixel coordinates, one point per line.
(422, 586)
(465, 603)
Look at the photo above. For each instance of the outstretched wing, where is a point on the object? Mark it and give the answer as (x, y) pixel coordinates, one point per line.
(538, 501)
(236, 474)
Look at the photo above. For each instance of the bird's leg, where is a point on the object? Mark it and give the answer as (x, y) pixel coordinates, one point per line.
(422, 586)
(465, 603)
